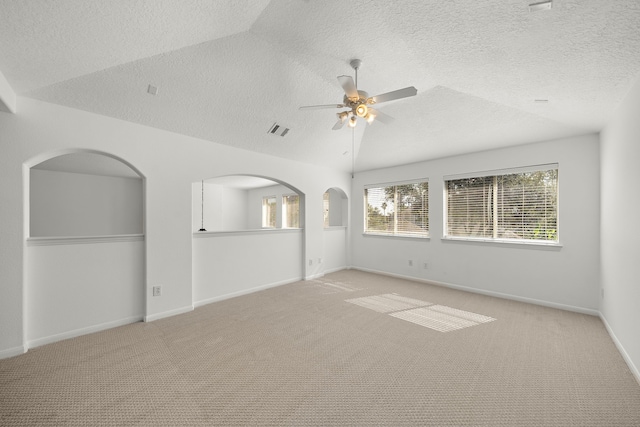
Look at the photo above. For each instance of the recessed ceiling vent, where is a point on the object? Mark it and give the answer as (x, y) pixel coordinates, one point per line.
(278, 130)
(541, 5)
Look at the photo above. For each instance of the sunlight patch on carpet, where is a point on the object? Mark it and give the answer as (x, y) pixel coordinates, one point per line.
(437, 317)
(388, 303)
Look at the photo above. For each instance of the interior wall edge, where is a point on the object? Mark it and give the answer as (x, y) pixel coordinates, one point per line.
(632, 367)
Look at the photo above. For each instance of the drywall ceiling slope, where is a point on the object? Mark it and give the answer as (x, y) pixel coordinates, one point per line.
(226, 71)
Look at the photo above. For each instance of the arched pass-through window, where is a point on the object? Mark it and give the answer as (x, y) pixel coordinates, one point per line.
(253, 238)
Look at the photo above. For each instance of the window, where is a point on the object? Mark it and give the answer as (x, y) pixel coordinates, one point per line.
(520, 205)
(269, 212)
(291, 211)
(325, 208)
(400, 209)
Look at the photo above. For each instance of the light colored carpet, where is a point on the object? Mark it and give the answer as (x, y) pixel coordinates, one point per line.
(301, 355)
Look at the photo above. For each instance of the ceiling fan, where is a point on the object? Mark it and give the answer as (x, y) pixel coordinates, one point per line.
(359, 102)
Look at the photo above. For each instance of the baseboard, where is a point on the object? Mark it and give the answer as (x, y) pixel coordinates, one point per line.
(634, 370)
(333, 270)
(82, 331)
(175, 312)
(244, 292)
(488, 293)
(12, 352)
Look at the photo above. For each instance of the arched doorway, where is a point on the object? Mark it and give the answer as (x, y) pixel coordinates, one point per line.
(84, 245)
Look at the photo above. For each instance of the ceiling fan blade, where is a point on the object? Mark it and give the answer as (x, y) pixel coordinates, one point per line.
(338, 124)
(320, 107)
(349, 86)
(380, 116)
(396, 94)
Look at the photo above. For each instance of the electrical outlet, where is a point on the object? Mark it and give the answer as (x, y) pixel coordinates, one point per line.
(157, 291)
(310, 262)
(319, 260)
(410, 263)
(602, 292)
(425, 265)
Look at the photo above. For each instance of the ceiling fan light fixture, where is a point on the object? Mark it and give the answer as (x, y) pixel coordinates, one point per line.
(370, 117)
(362, 110)
(352, 121)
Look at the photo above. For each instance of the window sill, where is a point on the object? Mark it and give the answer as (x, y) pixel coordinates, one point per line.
(508, 242)
(78, 240)
(397, 236)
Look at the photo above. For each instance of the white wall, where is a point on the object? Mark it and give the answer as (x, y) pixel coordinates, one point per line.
(563, 277)
(169, 162)
(225, 208)
(77, 286)
(620, 234)
(335, 249)
(236, 211)
(228, 264)
(74, 204)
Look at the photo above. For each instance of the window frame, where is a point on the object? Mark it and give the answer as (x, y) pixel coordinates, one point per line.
(498, 173)
(396, 233)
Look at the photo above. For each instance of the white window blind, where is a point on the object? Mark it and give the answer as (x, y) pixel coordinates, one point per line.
(291, 211)
(269, 212)
(518, 206)
(398, 209)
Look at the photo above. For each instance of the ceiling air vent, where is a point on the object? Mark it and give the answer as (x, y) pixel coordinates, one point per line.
(278, 130)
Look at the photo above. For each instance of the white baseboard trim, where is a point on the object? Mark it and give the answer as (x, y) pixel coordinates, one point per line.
(244, 292)
(314, 276)
(82, 331)
(634, 370)
(175, 312)
(543, 303)
(11, 352)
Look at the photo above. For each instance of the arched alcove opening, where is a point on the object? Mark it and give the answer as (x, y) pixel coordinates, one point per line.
(336, 241)
(253, 235)
(84, 245)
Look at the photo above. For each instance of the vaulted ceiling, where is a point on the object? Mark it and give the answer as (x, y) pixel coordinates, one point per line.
(226, 71)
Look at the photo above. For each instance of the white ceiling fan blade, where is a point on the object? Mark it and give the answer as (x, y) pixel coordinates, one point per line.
(349, 86)
(380, 116)
(339, 124)
(321, 107)
(396, 94)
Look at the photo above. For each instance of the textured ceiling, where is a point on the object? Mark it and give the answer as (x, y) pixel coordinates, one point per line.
(227, 70)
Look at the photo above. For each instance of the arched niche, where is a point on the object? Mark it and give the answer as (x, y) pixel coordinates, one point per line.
(335, 208)
(84, 194)
(84, 244)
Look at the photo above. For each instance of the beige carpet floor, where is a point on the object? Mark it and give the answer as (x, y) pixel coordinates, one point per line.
(350, 349)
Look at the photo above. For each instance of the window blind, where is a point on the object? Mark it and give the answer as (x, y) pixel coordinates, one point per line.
(522, 206)
(398, 209)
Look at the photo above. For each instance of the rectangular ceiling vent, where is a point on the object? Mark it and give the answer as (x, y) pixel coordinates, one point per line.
(541, 5)
(278, 130)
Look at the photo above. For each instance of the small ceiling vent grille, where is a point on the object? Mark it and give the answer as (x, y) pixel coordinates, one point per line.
(278, 130)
